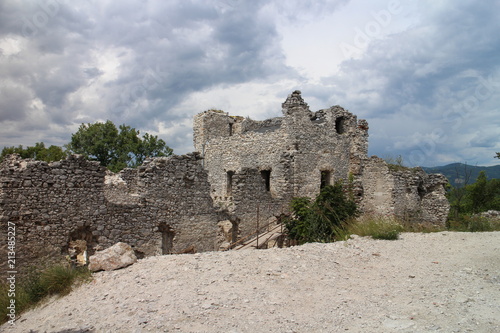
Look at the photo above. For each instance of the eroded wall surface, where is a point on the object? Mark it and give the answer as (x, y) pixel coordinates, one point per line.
(408, 193)
(163, 206)
(242, 176)
(298, 153)
(256, 167)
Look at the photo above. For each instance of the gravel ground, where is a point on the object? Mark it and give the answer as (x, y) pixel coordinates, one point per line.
(438, 282)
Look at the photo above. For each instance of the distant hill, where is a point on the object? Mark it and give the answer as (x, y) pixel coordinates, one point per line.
(450, 171)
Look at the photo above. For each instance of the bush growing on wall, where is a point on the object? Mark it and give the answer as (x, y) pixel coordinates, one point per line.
(320, 220)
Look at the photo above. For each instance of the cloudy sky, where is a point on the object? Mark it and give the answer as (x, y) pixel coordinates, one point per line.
(425, 74)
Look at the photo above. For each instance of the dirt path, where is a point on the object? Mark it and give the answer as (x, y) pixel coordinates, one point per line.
(440, 282)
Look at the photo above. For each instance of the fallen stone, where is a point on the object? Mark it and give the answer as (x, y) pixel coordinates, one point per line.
(117, 256)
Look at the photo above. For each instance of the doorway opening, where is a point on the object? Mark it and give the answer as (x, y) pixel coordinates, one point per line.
(167, 238)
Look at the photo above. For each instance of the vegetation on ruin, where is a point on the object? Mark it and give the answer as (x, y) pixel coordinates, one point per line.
(216, 110)
(322, 220)
(396, 163)
(36, 286)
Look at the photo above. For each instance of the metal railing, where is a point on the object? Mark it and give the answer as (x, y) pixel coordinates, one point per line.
(260, 231)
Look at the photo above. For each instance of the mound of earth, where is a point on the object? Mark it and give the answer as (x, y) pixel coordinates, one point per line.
(437, 282)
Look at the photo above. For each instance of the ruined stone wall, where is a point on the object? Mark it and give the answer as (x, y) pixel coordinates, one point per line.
(163, 206)
(48, 203)
(257, 164)
(299, 153)
(378, 186)
(244, 174)
(408, 193)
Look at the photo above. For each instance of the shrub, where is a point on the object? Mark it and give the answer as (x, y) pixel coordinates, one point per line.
(322, 220)
(36, 285)
(473, 224)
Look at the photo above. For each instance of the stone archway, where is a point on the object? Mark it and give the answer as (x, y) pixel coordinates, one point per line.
(81, 245)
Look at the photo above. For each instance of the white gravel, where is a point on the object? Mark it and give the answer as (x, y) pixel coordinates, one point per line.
(439, 282)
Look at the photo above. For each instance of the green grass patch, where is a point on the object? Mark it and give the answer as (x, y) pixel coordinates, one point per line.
(377, 227)
(31, 289)
(473, 224)
(424, 227)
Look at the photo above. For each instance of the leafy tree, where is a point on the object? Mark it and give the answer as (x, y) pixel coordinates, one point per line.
(151, 146)
(116, 148)
(483, 195)
(38, 152)
(498, 155)
(457, 194)
(321, 219)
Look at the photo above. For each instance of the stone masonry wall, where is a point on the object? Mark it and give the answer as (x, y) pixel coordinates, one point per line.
(408, 193)
(260, 165)
(163, 206)
(299, 153)
(243, 174)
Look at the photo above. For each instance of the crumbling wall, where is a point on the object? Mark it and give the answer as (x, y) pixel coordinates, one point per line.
(408, 193)
(256, 167)
(299, 153)
(48, 203)
(161, 207)
(243, 174)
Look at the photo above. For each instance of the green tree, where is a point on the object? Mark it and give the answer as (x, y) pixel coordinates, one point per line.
(116, 148)
(38, 152)
(151, 146)
(477, 194)
(321, 219)
(483, 195)
(457, 194)
(498, 155)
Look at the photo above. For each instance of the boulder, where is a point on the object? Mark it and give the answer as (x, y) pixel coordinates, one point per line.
(117, 256)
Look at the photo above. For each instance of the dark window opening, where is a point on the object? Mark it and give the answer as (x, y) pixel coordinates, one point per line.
(339, 125)
(266, 175)
(234, 231)
(421, 191)
(326, 178)
(230, 129)
(167, 239)
(229, 183)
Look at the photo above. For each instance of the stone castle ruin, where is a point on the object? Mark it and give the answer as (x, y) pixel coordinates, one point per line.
(243, 172)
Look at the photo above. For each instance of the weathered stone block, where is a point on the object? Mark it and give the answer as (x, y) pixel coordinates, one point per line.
(118, 256)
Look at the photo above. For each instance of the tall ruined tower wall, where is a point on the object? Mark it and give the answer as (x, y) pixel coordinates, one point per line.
(258, 166)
